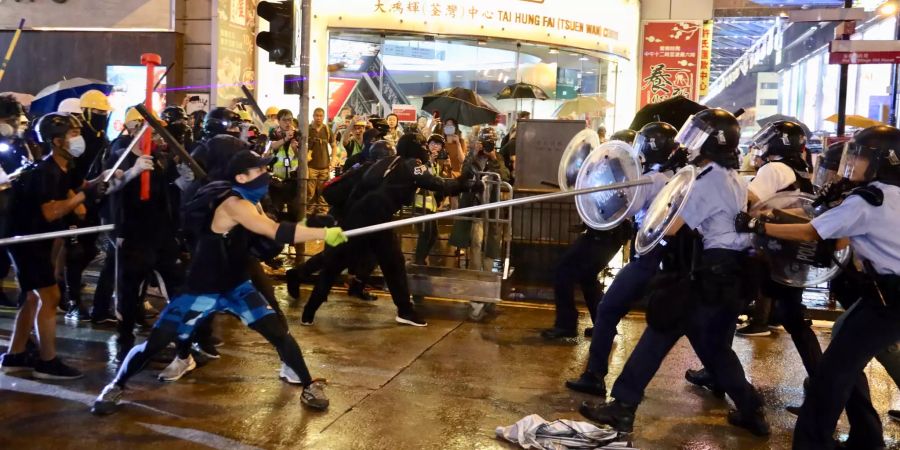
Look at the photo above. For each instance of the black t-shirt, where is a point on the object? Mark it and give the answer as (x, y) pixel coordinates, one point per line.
(46, 183)
(156, 218)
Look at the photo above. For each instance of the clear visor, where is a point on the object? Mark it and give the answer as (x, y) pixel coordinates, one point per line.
(823, 175)
(857, 163)
(692, 135)
(763, 136)
(640, 142)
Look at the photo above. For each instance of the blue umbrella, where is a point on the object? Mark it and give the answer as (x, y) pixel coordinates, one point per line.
(50, 97)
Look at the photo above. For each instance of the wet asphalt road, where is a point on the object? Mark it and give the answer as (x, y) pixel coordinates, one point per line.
(446, 386)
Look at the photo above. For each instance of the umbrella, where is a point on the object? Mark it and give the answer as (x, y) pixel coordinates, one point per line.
(49, 98)
(522, 90)
(583, 104)
(855, 121)
(674, 111)
(461, 104)
(782, 118)
(24, 99)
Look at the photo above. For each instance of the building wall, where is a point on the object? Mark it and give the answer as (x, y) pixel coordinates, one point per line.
(677, 9)
(194, 20)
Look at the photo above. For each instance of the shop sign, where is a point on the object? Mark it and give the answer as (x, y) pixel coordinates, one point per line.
(670, 59)
(235, 47)
(769, 43)
(339, 90)
(705, 57)
(864, 52)
(405, 113)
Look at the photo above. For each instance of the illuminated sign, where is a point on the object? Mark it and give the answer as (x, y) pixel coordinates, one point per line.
(670, 58)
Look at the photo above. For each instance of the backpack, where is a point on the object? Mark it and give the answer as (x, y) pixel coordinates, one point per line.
(197, 213)
(337, 191)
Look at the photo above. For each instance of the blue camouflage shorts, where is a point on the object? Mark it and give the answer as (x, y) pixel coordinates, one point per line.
(185, 311)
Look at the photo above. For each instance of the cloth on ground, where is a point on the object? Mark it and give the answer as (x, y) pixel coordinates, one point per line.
(533, 432)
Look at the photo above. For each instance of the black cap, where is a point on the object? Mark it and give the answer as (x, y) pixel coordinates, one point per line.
(246, 160)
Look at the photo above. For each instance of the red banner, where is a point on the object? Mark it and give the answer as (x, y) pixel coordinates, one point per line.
(339, 90)
(670, 60)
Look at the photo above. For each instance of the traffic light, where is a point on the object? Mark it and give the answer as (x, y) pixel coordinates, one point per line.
(279, 40)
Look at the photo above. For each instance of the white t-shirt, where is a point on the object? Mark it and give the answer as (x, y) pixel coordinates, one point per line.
(772, 178)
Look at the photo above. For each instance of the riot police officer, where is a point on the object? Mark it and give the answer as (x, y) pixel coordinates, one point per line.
(868, 214)
(655, 143)
(711, 138)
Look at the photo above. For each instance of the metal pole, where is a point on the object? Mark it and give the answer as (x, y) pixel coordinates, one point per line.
(134, 141)
(894, 73)
(842, 87)
(55, 234)
(490, 206)
(303, 170)
(12, 46)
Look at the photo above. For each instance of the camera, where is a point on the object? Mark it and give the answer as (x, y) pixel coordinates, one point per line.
(443, 155)
(194, 98)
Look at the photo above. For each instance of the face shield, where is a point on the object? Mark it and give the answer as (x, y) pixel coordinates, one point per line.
(642, 144)
(824, 174)
(859, 164)
(692, 135)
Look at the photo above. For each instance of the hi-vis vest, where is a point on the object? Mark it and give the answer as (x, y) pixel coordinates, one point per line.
(285, 163)
(425, 198)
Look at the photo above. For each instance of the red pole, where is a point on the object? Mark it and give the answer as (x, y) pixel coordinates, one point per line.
(151, 60)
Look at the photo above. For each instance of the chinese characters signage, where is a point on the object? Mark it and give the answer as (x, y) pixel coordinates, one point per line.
(236, 44)
(670, 60)
(705, 57)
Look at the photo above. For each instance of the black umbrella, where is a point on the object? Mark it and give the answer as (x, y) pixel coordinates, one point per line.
(522, 90)
(674, 111)
(780, 118)
(461, 104)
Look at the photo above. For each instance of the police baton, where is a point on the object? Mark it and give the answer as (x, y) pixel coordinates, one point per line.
(170, 141)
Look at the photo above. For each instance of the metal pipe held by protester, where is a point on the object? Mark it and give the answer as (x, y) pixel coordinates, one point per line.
(261, 116)
(490, 206)
(170, 141)
(134, 142)
(54, 234)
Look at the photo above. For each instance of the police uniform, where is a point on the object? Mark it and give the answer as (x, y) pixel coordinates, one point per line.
(870, 326)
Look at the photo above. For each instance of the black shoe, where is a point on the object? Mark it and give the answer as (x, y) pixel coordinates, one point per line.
(124, 345)
(793, 409)
(558, 333)
(308, 316)
(103, 319)
(275, 263)
(55, 369)
(753, 421)
(703, 378)
(16, 362)
(589, 332)
(357, 290)
(753, 330)
(411, 318)
(894, 415)
(77, 314)
(615, 414)
(293, 282)
(588, 383)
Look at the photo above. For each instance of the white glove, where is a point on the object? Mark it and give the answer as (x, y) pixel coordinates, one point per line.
(185, 171)
(141, 165)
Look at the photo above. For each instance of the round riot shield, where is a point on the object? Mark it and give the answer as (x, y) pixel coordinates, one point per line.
(574, 155)
(612, 162)
(796, 264)
(664, 209)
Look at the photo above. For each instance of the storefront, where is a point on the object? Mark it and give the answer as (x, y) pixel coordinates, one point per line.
(392, 53)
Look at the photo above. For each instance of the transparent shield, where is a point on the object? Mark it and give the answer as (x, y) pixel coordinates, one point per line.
(664, 209)
(574, 155)
(692, 134)
(612, 162)
(796, 264)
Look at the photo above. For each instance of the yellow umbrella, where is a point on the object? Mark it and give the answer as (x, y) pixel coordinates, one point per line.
(855, 121)
(583, 104)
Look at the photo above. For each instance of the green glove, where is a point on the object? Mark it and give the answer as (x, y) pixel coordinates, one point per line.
(334, 236)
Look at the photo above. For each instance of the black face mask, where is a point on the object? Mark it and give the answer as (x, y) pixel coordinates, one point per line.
(98, 123)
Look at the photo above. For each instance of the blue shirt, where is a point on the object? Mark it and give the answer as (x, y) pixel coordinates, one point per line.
(719, 194)
(645, 194)
(872, 229)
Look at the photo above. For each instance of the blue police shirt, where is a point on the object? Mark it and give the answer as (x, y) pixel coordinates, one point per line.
(872, 229)
(645, 195)
(719, 194)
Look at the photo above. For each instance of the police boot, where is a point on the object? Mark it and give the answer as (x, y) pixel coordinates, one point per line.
(616, 414)
(588, 383)
(753, 421)
(704, 378)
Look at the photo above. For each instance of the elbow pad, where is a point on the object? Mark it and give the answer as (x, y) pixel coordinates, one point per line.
(285, 233)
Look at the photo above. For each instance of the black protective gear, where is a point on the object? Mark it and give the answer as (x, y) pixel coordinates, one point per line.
(412, 146)
(676, 160)
(219, 120)
(173, 113)
(880, 145)
(782, 139)
(381, 149)
(745, 223)
(655, 142)
(627, 136)
(871, 194)
(712, 134)
(381, 126)
(55, 125)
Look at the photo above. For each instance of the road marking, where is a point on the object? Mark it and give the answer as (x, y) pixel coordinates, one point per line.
(199, 437)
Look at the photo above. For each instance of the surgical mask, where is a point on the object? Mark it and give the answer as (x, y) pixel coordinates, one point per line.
(255, 189)
(76, 146)
(6, 130)
(450, 130)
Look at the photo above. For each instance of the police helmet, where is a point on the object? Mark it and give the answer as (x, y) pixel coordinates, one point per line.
(655, 142)
(828, 163)
(381, 149)
(174, 113)
(219, 121)
(872, 155)
(54, 125)
(412, 146)
(781, 139)
(627, 136)
(712, 134)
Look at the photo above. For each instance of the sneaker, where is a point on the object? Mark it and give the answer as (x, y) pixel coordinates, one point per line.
(588, 383)
(618, 415)
(206, 349)
(77, 314)
(288, 375)
(894, 415)
(753, 330)
(314, 395)
(177, 369)
(108, 400)
(307, 318)
(558, 333)
(753, 421)
(411, 318)
(16, 362)
(703, 378)
(55, 369)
